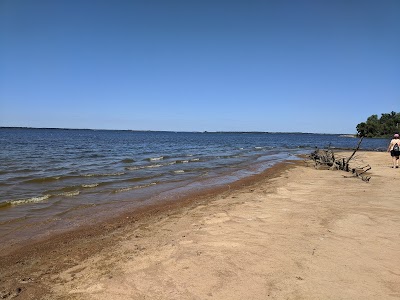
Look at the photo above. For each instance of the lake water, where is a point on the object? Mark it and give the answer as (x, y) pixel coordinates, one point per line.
(53, 178)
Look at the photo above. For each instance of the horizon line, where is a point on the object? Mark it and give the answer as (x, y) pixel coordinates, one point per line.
(174, 131)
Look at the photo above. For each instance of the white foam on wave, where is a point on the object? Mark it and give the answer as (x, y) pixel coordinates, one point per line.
(156, 158)
(134, 187)
(182, 161)
(133, 168)
(104, 175)
(30, 200)
(154, 166)
(123, 190)
(195, 159)
(146, 167)
(115, 174)
(179, 171)
(258, 148)
(90, 185)
(69, 194)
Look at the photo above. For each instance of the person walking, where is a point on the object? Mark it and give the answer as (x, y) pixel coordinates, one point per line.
(394, 149)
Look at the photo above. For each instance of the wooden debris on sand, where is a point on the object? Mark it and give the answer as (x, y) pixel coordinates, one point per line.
(325, 159)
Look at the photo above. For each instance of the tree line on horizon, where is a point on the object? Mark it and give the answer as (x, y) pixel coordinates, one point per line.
(385, 126)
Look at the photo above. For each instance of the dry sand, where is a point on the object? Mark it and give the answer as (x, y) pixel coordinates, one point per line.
(300, 234)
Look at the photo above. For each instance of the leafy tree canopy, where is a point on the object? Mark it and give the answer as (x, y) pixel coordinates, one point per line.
(385, 126)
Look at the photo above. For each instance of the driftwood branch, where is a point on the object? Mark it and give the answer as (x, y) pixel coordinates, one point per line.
(359, 173)
(326, 159)
(354, 152)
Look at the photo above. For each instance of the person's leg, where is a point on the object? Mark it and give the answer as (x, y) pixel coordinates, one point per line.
(397, 161)
(394, 161)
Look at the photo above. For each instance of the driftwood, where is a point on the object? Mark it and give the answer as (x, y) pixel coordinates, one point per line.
(354, 152)
(359, 173)
(326, 159)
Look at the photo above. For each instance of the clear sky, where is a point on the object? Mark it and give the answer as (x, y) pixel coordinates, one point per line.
(287, 66)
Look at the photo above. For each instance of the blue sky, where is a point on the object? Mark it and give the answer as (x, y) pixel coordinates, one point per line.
(286, 66)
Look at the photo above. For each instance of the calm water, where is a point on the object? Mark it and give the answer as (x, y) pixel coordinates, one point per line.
(51, 177)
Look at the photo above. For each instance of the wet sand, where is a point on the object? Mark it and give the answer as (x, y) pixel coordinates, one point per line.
(293, 232)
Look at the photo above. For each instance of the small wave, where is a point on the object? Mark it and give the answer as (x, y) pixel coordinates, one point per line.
(127, 160)
(69, 194)
(195, 159)
(258, 148)
(86, 154)
(114, 174)
(134, 187)
(144, 167)
(96, 155)
(90, 185)
(24, 171)
(133, 168)
(179, 171)
(42, 180)
(156, 158)
(182, 161)
(154, 166)
(123, 190)
(229, 156)
(136, 179)
(29, 200)
(104, 175)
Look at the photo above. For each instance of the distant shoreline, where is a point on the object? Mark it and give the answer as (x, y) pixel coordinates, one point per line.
(349, 135)
(172, 131)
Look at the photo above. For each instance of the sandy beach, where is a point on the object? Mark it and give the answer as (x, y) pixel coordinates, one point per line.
(293, 232)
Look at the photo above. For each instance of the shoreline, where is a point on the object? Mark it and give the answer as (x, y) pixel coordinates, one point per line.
(49, 248)
(138, 211)
(268, 222)
(73, 217)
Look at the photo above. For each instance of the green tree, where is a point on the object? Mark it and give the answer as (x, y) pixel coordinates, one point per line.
(384, 126)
